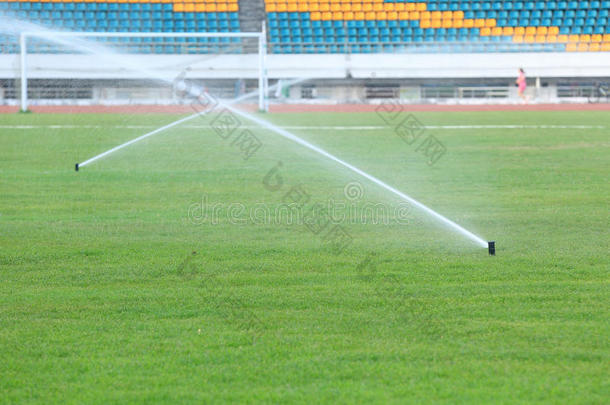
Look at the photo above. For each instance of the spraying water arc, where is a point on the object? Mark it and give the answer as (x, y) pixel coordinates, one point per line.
(288, 135)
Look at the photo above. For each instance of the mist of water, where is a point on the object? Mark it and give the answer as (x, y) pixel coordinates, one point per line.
(123, 60)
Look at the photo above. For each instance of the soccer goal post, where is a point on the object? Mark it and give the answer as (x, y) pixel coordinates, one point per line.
(157, 56)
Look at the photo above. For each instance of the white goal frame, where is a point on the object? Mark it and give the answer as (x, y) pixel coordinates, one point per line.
(263, 83)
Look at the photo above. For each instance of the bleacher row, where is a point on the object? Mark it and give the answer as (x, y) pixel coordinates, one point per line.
(460, 26)
(106, 16)
(335, 26)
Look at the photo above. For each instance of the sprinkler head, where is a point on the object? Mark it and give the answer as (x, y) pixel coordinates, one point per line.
(491, 247)
(76, 167)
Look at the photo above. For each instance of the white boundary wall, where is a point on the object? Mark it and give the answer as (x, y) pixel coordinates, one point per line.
(319, 66)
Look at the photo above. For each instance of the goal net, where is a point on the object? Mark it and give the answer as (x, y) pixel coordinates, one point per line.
(102, 68)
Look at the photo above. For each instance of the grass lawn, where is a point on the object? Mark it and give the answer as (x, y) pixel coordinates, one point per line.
(168, 272)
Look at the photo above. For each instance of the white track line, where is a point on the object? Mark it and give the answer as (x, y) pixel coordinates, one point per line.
(319, 127)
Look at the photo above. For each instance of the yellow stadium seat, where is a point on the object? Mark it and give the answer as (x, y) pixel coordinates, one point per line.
(520, 31)
(370, 15)
(414, 15)
(233, 7)
(359, 15)
(596, 38)
(425, 23)
(357, 7)
(606, 47)
(334, 7)
(530, 30)
(606, 37)
(529, 39)
(291, 1)
(458, 23)
(346, 7)
(403, 15)
(400, 6)
(327, 15)
(337, 15)
(388, 7)
(211, 8)
(468, 23)
(200, 8)
(490, 22)
(315, 15)
(314, 7)
(348, 15)
(447, 23)
(496, 31)
(421, 6)
(410, 7)
(551, 38)
(571, 47)
(281, 8)
(425, 15)
(540, 38)
(485, 32)
(594, 47)
(436, 15)
(583, 47)
(553, 30)
(290, 7)
(518, 39)
(381, 15)
(436, 23)
(562, 38)
(447, 15)
(303, 7)
(366, 7)
(508, 31)
(458, 14)
(542, 30)
(392, 15)
(178, 7)
(585, 38)
(479, 23)
(324, 7)
(573, 38)
(378, 7)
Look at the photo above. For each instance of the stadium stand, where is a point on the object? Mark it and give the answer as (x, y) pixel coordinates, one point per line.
(365, 26)
(130, 16)
(337, 26)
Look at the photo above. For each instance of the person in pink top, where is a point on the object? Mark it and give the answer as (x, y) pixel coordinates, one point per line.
(522, 83)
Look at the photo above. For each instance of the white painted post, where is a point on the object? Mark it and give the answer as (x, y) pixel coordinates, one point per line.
(24, 78)
(261, 68)
(265, 77)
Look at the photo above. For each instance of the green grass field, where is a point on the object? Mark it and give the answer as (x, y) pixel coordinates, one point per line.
(164, 273)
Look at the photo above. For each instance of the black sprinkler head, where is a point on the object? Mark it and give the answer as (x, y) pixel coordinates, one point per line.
(491, 246)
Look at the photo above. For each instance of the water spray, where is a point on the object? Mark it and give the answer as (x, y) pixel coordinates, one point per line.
(288, 135)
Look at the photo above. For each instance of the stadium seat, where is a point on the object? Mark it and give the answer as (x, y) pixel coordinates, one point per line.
(378, 22)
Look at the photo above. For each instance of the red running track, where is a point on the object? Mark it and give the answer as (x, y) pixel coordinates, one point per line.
(300, 108)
